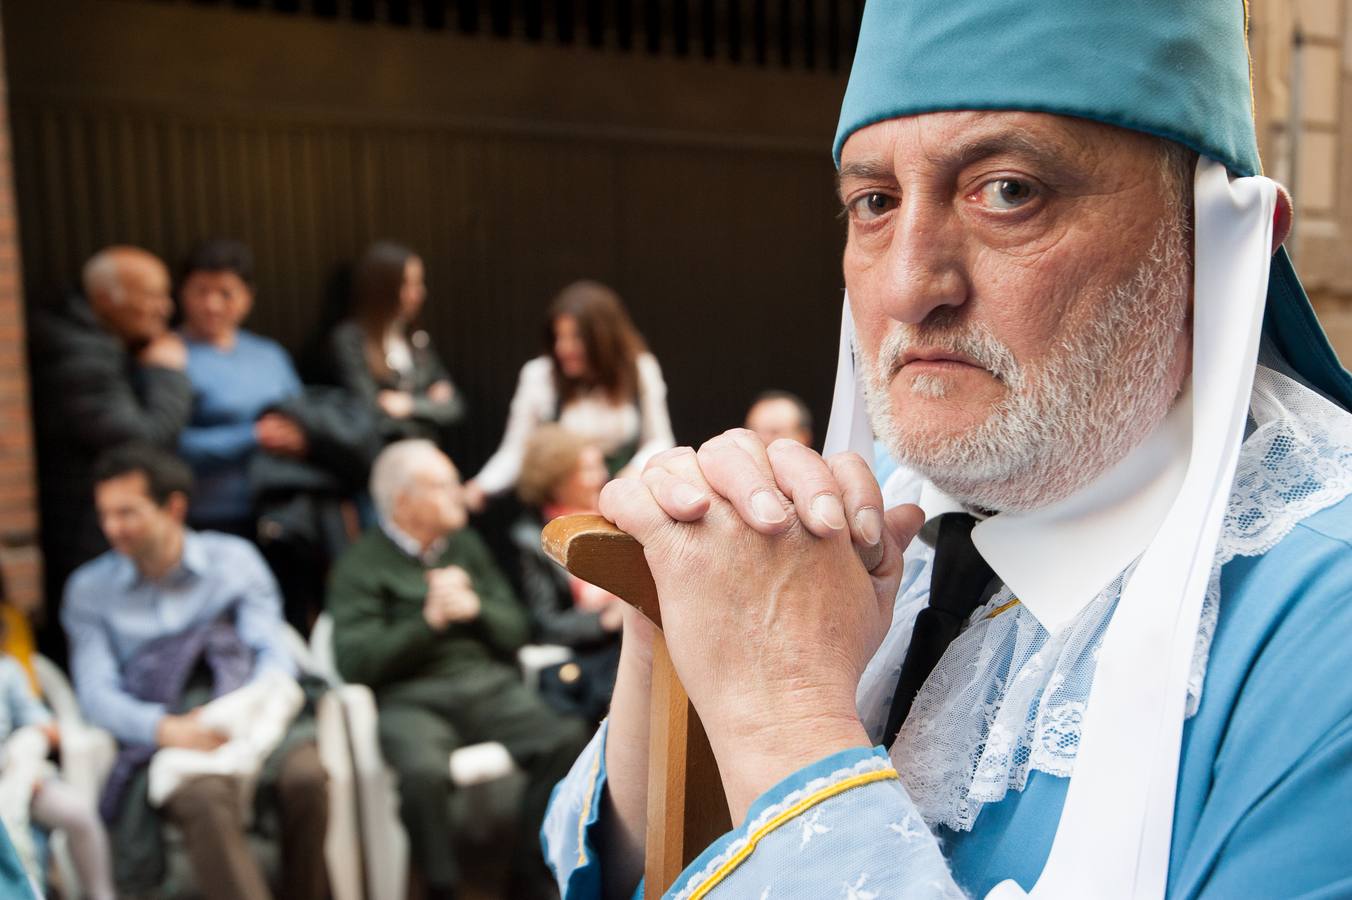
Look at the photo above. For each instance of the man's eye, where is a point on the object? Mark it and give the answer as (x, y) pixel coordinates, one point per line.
(1006, 193)
(871, 206)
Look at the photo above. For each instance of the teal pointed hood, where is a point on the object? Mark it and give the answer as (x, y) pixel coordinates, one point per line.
(1178, 69)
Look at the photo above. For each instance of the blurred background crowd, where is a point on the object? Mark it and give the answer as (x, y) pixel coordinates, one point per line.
(217, 505)
(313, 313)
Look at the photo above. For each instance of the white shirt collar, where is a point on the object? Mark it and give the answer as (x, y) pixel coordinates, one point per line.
(411, 546)
(1057, 559)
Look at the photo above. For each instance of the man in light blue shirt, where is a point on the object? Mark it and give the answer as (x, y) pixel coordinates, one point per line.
(159, 584)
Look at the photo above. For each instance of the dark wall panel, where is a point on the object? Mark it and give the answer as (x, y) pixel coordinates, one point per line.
(703, 192)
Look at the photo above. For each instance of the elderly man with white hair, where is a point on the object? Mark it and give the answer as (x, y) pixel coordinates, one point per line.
(106, 371)
(1106, 656)
(425, 618)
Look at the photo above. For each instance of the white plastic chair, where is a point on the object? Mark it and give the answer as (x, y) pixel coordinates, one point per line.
(87, 755)
(384, 840)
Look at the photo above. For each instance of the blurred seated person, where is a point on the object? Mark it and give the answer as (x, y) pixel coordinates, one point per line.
(596, 378)
(16, 633)
(32, 793)
(167, 620)
(779, 414)
(106, 370)
(563, 474)
(384, 358)
(424, 617)
(237, 376)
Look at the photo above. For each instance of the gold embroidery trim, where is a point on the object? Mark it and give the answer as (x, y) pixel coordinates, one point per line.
(797, 809)
(1004, 607)
(586, 808)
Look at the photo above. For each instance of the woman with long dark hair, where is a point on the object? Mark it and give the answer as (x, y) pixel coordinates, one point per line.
(380, 354)
(596, 378)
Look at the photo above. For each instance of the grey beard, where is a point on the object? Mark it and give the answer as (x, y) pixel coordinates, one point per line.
(1102, 389)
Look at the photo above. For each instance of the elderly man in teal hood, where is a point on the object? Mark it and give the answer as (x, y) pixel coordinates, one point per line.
(1089, 641)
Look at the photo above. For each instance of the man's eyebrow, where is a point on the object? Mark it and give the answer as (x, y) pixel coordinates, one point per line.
(1005, 143)
(871, 169)
(874, 170)
(1045, 154)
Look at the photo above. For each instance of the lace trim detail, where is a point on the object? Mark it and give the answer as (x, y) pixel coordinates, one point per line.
(1008, 699)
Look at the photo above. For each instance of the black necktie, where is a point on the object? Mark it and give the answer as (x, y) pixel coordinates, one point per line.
(960, 577)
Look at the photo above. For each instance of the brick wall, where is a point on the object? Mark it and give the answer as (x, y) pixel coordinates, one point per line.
(1320, 171)
(20, 560)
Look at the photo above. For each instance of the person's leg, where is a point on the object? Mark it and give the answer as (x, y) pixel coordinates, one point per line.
(206, 810)
(303, 795)
(545, 745)
(57, 805)
(417, 744)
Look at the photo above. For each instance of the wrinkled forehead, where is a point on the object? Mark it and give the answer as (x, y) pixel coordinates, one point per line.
(960, 137)
(143, 272)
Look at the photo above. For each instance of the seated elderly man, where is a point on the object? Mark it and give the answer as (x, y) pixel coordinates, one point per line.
(1112, 665)
(423, 615)
(165, 621)
(106, 370)
(780, 414)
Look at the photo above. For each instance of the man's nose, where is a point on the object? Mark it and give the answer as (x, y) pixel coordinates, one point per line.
(923, 268)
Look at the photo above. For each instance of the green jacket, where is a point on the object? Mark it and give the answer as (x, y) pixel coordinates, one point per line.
(376, 594)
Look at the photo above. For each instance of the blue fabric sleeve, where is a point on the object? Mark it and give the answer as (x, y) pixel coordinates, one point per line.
(258, 617)
(204, 445)
(841, 827)
(1268, 815)
(1295, 841)
(95, 670)
(568, 835)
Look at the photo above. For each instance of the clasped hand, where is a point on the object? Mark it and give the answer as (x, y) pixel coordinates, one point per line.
(777, 572)
(450, 598)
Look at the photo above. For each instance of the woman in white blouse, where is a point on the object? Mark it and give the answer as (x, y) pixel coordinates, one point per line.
(596, 379)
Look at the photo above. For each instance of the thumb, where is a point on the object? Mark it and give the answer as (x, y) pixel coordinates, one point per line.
(900, 526)
(903, 523)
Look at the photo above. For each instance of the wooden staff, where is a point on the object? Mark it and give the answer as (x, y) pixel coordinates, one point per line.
(687, 810)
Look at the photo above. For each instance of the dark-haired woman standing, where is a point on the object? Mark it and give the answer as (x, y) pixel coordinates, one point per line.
(596, 378)
(382, 356)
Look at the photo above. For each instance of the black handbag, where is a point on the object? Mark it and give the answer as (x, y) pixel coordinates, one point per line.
(582, 685)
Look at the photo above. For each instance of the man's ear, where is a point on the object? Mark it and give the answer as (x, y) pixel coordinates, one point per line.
(1281, 218)
(177, 505)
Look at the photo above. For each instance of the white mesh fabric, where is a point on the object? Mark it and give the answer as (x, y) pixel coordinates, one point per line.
(1008, 698)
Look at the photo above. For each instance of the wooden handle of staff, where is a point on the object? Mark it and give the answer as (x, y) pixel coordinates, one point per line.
(687, 809)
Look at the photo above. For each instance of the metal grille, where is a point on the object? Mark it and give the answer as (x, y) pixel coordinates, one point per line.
(804, 35)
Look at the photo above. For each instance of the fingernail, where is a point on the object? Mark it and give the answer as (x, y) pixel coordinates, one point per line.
(769, 510)
(869, 522)
(686, 495)
(827, 508)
